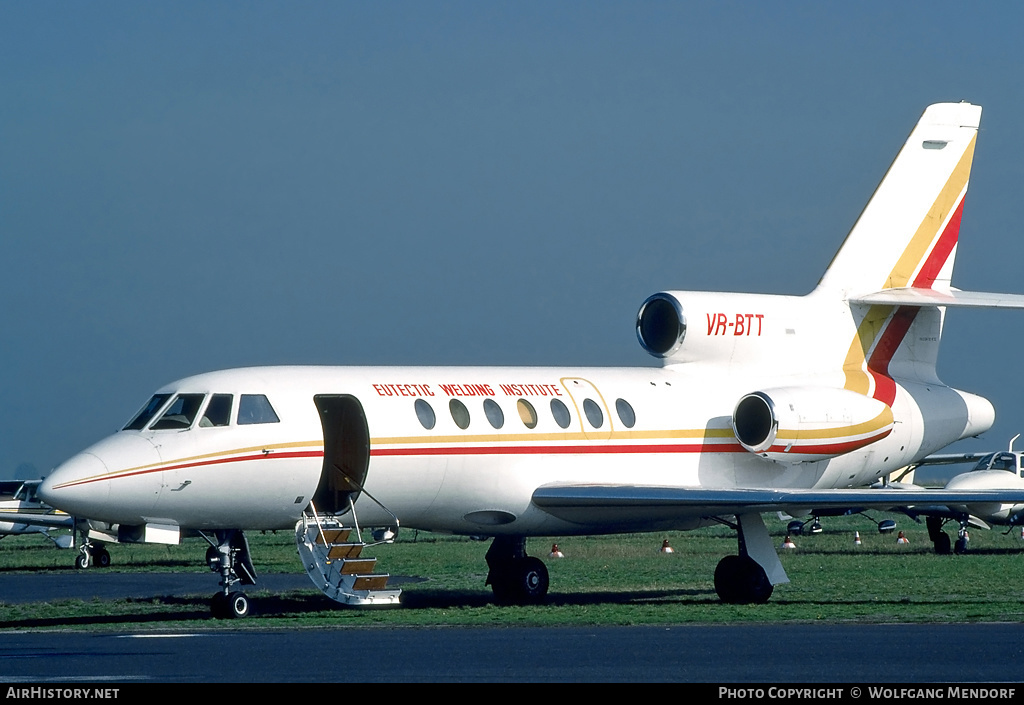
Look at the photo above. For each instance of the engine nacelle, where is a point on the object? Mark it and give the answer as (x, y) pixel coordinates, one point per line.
(733, 328)
(804, 424)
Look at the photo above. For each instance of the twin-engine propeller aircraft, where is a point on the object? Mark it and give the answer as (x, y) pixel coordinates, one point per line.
(763, 404)
(21, 512)
(999, 470)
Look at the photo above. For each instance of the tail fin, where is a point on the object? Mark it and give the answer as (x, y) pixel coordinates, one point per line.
(907, 234)
(906, 238)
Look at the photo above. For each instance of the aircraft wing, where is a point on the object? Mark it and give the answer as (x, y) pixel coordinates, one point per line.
(57, 519)
(911, 296)
(635, 505)
(950, 458)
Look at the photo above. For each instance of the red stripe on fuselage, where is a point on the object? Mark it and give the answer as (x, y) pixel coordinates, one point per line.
(559, 450)
(199, 464)
(439, 450)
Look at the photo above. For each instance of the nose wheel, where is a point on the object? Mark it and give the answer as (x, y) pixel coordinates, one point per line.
(232, 606)
(92, 555)
(229, 556)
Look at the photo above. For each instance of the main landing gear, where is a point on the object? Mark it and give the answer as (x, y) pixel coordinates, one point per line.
(940, 539)
(751, 576)
(229, 556)
(515, 578)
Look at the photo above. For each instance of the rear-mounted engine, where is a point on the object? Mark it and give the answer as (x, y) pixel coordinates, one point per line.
(660, 325)
(803, 424)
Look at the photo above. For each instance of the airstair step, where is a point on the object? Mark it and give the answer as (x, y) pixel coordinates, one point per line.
(355, 566)
(333, 536)
(344, 550)
(371, 582)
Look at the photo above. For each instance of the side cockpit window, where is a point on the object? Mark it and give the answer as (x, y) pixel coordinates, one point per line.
(255, 408)
(180, 414)
(148, 412)
(218, 411)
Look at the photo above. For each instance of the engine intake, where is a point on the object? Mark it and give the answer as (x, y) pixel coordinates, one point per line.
(661, 325)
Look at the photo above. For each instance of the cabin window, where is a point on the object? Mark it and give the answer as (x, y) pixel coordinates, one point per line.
(594, 414)
(425, 413)
(527, 413)
(218, 411)
(494, 414)
(460, 414)
(561, 413)
(626, 413)
(148, 412)
(180, 414)
(255, 409)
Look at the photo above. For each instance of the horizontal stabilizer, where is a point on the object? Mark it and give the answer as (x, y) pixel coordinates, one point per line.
(910, 296)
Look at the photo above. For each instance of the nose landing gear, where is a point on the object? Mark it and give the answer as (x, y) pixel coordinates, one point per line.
(229, 556)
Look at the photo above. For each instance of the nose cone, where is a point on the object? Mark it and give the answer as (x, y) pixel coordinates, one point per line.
(107, 481)
(76, 485)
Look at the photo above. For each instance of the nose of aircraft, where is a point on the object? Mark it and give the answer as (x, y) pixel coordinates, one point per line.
(75, 485)
(87, 484)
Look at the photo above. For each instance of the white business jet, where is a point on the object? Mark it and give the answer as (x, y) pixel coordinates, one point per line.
(762, 404)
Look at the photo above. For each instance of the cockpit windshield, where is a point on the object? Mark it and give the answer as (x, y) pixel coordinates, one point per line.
(181, 413)
(148, 412)
(998, 461)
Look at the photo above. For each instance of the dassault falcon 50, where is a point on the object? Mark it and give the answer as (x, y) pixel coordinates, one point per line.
(763, 403)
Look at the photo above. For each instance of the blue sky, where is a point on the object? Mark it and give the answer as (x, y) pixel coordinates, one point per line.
(192, 186)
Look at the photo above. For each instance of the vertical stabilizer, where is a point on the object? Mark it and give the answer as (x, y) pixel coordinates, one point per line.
(906, 238)
(907, 234)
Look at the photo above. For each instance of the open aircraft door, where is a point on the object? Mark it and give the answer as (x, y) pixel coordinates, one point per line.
(346, 452)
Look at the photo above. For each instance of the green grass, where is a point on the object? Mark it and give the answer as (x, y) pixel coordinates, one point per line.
(603, 580)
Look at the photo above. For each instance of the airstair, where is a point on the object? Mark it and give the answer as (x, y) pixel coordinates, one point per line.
(332, 553)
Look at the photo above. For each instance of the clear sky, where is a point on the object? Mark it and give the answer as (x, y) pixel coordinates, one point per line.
(191, 186)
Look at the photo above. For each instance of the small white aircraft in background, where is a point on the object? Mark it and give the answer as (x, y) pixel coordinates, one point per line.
(999, 470)
(21, 512)
(763, 404)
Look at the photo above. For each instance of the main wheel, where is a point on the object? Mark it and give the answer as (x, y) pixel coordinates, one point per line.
(739, 580)
(532, 580)
(101, 558)
(942, 545)
(521, 581)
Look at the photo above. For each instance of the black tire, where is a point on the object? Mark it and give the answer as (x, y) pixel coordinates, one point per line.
(533, 580)
(942, 545)
(101, 558)
(521, 581)
(238, 606)
(960, 547)
(739, 580)
(219, 606)
(82, 561)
